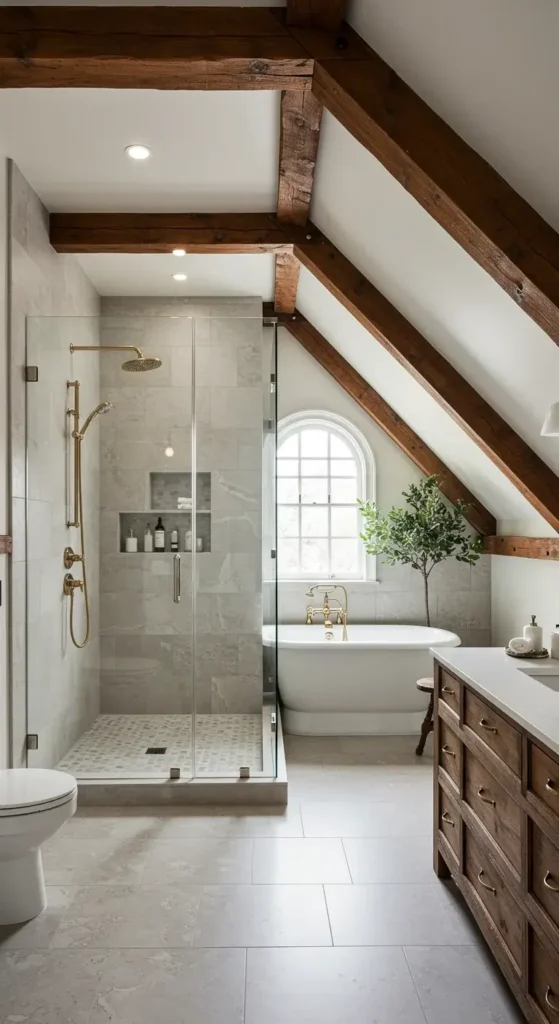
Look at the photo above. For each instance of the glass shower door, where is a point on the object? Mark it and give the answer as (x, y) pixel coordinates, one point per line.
(234, 459)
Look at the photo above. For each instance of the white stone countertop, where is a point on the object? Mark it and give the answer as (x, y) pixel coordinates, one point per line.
(506, 683)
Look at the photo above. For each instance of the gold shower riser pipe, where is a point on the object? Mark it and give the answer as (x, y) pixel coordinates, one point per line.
(75, 412)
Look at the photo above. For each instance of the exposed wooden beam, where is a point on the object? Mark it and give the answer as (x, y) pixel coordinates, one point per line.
(378, 409)
(163, 232)
(515, 459)
(149, 48)
(326, 14)
(523, 547)
(282, 318)
(463, 193)
(287, 279)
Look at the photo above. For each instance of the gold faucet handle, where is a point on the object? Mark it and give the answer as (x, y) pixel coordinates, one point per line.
(70, 557)
(70, 584)
(310, 614)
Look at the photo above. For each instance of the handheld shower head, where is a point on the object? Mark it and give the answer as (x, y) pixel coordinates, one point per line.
(101, 409)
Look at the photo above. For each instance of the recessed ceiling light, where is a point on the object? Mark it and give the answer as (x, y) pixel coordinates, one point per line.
(179, 277)
(179, 252)
(136, 152)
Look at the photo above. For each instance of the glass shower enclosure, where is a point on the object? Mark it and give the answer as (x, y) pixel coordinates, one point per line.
(151, 535)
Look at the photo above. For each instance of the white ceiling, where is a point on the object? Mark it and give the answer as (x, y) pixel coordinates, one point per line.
(211, 151)
(115, 274)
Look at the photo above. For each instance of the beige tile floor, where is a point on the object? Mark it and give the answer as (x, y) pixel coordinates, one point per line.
(327, 913)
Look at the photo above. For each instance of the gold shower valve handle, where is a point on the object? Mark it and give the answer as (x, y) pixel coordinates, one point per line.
(70, 584)
(70, 557)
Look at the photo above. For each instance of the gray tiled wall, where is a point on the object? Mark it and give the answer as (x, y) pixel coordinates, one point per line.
(57, 694)
(154, 655)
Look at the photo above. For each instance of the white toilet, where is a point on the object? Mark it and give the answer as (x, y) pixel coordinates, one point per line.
(34, 804)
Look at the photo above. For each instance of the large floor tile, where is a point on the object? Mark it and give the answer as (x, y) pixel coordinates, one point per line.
(233, 822)
(458, 913)
(408, 860)
(199, 861)
(195, 986)
(387, 915)
(109, 916)
(37, 934)
(323, 820)
(460, 984)
(330, 986)
(299, 861)
(49, 987)
(262, 915)
(111, 859)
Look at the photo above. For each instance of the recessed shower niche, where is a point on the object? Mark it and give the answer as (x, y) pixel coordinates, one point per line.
(169, 496)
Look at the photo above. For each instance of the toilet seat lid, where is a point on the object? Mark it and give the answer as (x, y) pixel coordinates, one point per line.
(23, 790)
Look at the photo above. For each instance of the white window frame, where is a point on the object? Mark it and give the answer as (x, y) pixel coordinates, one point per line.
(366, 474)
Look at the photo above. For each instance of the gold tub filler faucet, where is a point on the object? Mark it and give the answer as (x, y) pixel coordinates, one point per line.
(340, 612)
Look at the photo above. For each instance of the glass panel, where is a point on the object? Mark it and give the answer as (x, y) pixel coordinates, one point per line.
(338, 448)
(288, 467)
(288, 491)
(117, 702)
(288, 521)
(314, 467)
(343, 491)
(314, 521)
(288, 556)
(314, 491)
(344, 556)
(344, 522)
(314, 444)
(343, 467)
(290, 448)
(314, 556)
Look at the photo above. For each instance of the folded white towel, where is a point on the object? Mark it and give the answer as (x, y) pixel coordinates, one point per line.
(519, 645)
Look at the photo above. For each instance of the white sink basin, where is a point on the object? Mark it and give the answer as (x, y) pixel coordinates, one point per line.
(548, 679)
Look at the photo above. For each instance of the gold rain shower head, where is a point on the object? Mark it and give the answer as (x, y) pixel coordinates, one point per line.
(138, 365)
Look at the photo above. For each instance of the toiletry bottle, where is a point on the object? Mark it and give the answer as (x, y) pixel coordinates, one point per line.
(554, 642)
(188, 540)
(148, 538)
(199, 544)
(132, 541)
(159, 536)
(175, 540)
(534, 634)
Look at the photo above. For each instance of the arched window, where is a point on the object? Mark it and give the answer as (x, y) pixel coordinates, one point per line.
(323, 466)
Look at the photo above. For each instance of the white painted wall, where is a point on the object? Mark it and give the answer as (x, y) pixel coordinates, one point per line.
(4, 518)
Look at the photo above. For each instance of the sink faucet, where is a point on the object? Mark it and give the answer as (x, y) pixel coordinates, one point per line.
(326, 610)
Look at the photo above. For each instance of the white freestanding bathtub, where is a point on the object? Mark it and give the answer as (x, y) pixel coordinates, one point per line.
(362, 686)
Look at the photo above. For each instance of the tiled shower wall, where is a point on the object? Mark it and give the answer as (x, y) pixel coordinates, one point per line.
(154, 652)
(56, 694)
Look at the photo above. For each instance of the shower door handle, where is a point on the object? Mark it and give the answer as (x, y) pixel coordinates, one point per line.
(177, 579)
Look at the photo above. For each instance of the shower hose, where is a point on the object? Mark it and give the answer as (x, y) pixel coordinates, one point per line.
(85, 590)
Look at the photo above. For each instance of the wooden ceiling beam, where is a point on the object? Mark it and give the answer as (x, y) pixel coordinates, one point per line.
(378, 409)
(299, 133)
(457, 187)
(321, 14)
(149, 48)
(506, 449)
(163, 232)
(523, 547)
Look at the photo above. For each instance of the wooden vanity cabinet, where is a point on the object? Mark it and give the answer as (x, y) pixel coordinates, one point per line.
(496, 832)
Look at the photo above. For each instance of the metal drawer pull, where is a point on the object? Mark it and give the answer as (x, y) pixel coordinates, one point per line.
(485, 725)
(447, 750)
(446, 817)
(486, 799)
(484, 884)
(448, 689)
(551, 787)
(547, 883)
(548, 993)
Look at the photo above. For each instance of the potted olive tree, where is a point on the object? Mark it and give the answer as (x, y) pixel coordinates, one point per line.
(424, 533)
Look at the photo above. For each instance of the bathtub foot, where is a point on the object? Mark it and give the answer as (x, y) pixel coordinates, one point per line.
(427, 726)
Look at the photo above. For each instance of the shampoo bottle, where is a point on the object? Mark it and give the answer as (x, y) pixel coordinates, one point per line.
(148, 539)
(159, 536)
(188, 540)
(175, 540)
(554, 642)
(534, 635)
(132, 541)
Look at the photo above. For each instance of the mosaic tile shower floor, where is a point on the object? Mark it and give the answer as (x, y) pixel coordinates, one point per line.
(116, 745)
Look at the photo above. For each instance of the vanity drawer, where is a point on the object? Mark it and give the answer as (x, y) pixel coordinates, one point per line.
(449, 690)
(493, 806)
(450, 752)
(544, 778)
(502, 738)
(495, 896)
(544, 873)
(543, 981)
(449, 821)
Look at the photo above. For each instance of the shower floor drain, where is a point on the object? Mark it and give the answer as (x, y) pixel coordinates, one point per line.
(156, 750)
